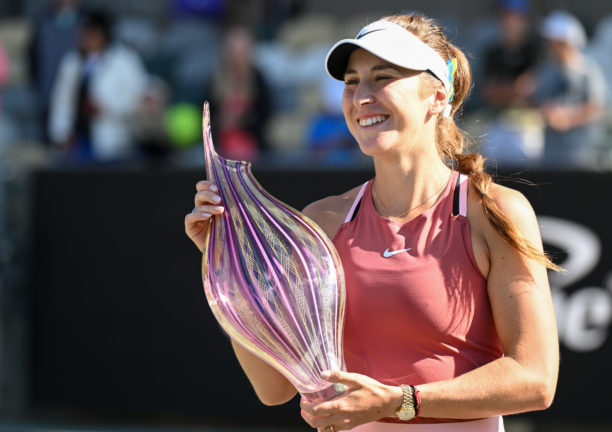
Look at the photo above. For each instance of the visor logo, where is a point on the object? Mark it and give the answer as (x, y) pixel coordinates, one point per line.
(366, 32)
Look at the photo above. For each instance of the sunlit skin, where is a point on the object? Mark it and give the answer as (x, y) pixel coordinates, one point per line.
(404, 142)
(373, 88)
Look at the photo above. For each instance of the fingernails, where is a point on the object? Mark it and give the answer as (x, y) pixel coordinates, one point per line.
(220, 209)
(204, 214)
(214, 188)
(216, 198)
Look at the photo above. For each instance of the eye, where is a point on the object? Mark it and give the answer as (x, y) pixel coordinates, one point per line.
(351, 81)
(383, 77)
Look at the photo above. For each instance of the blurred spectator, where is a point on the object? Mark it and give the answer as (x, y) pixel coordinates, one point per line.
(4, 70)
(97, 91)
(54, 34)
(265, 17)
(239, 99)
(515, 133)
(214, 9)
(149, 130)
(509, 59)
(276, 13)
(600, 49)
(328, 138)
(189, 47)
(570, 91)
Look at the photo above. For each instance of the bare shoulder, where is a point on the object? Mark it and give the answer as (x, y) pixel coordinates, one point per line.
(512, 204)
(329, 213)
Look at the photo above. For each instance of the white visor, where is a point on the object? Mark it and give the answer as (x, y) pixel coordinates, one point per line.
(393, 43)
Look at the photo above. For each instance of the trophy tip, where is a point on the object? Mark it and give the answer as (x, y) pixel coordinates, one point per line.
(206, 121)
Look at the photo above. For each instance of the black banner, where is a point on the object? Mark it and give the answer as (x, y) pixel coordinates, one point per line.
(119, 322)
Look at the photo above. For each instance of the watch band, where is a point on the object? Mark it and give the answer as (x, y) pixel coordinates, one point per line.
(407, 411)
(408, 392)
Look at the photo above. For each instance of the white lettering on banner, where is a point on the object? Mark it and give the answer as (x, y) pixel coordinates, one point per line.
(584, 315)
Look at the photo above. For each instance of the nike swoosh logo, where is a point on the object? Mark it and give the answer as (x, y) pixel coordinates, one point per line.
(360, 35)
(389, 253)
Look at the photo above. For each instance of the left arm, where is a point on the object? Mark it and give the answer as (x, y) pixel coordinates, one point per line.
(523, 380)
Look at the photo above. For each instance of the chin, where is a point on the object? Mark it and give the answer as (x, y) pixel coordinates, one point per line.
(375, 147)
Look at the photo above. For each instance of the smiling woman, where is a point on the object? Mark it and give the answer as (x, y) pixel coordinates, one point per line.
(449, 321)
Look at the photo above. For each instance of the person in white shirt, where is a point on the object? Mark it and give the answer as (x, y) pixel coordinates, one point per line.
(97, 91)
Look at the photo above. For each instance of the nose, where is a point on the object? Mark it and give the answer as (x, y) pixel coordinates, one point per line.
(363, 95)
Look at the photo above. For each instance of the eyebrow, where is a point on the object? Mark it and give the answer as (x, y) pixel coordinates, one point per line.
(375, 69)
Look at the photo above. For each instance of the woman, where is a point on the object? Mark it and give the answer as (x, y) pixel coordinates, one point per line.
(239, 94)
(449, 321)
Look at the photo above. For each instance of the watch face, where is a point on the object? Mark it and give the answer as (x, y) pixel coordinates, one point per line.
(406, 413)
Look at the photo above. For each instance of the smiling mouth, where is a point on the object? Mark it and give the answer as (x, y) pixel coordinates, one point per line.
(371, 121)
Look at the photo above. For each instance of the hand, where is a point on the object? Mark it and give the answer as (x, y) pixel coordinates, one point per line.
(525, 85)
(559, 118)
(366, 400)
(206, 206)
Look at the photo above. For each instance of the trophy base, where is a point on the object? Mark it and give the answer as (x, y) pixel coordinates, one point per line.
(328, 393)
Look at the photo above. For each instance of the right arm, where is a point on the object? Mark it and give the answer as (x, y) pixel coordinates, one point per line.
(271, 387)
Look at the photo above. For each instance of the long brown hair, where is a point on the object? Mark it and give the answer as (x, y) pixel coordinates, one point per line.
(451, 140)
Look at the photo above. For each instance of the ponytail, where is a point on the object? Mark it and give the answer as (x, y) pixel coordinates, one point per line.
(451, 140)
(472, 164)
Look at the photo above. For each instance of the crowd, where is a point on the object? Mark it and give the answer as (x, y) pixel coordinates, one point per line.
(545, 97)
(107, 89)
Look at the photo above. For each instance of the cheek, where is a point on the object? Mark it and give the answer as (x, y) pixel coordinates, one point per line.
(347, 106)
(347, 99)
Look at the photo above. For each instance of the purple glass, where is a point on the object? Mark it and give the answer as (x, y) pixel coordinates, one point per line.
(272, 278)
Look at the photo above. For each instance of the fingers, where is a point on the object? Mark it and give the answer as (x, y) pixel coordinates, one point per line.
(207, 205)
(203, 185)
(330, 428)
(338, 422)
(206, 197)
(340, 377)
(206, 193)
(318, 422)
(319, 410)
(202, 213)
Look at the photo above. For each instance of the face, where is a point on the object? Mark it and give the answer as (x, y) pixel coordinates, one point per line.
(560, 50)
(239, 46)
(92, 40)
(385, 106)
(514, 25)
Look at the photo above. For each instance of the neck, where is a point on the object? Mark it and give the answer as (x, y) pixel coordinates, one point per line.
(408, 184)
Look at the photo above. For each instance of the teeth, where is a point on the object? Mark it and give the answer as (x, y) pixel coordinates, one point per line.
(372, 120)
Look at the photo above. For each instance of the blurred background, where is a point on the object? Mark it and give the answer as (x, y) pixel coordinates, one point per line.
(103, 321)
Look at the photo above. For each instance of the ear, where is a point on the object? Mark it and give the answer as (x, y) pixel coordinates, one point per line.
(439, 100)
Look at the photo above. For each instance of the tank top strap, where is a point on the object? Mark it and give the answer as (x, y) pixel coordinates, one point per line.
(355, 206)
(460, 195)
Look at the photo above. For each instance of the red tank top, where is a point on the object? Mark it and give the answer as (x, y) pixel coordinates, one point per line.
(417, 307)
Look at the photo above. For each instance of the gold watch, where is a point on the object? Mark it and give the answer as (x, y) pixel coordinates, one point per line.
(407, 411)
